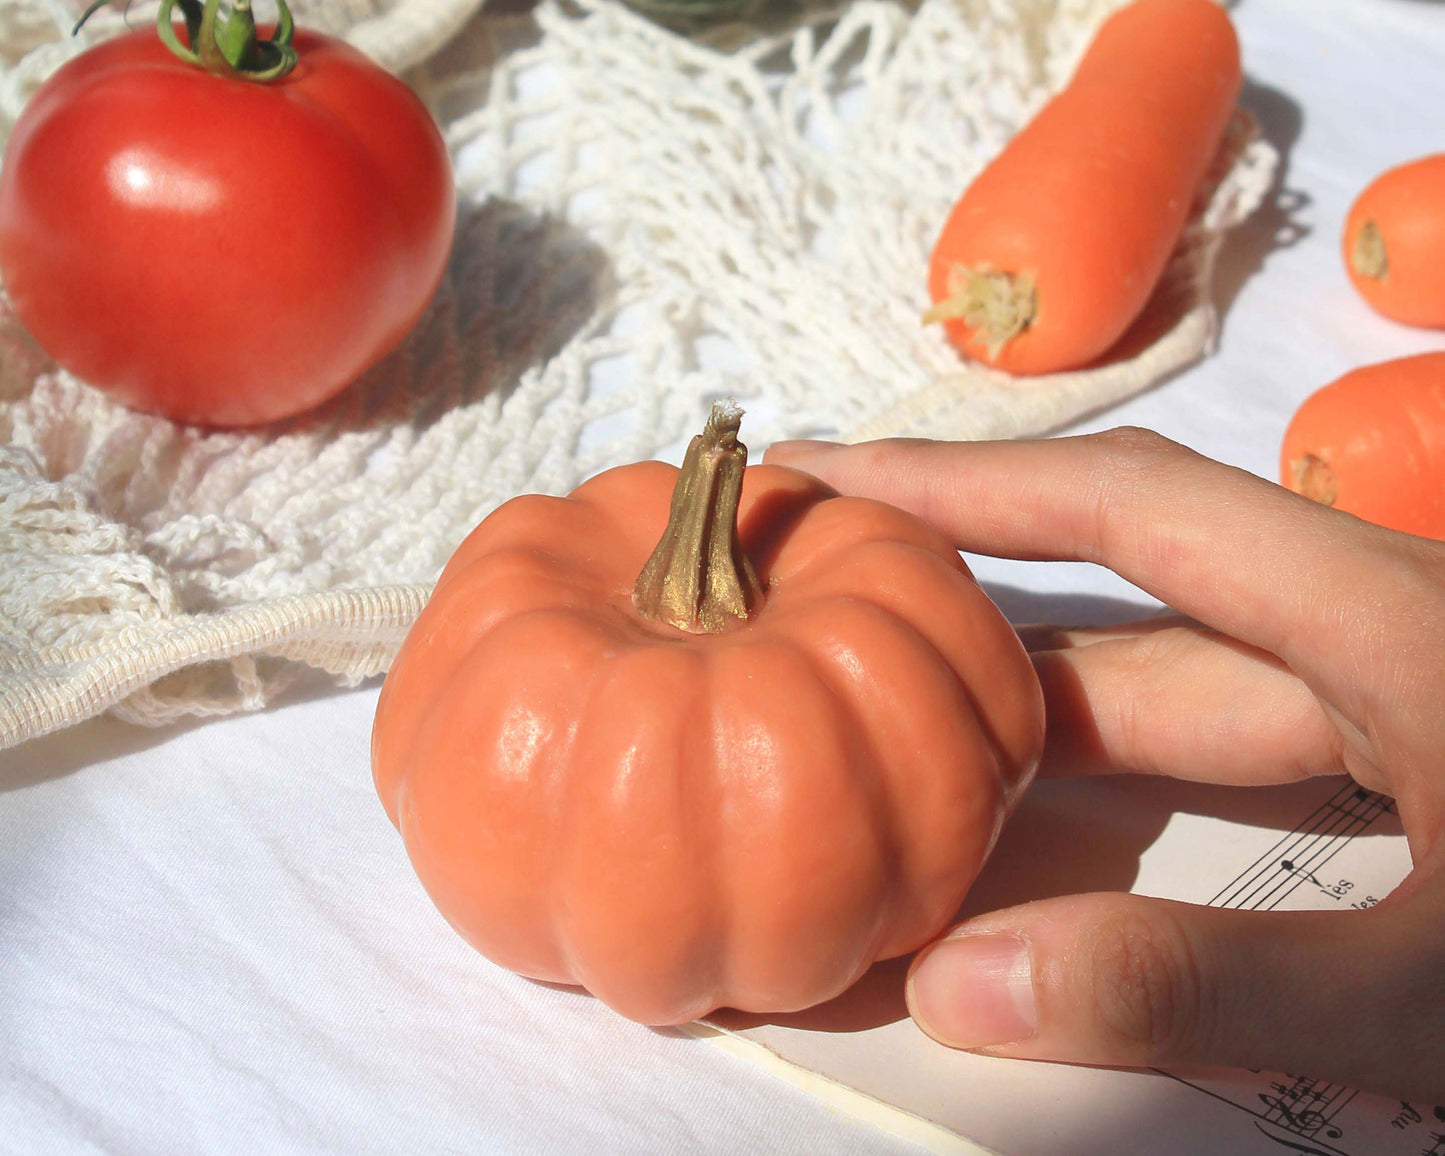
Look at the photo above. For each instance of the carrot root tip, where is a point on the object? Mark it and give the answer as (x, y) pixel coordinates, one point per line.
(1315, 479)
(995, 305)
(1367, 254)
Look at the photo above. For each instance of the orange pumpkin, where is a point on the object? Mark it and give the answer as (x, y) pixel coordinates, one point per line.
(779, 755)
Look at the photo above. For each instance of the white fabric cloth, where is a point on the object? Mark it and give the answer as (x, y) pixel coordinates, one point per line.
(210, 939)
(649, 221)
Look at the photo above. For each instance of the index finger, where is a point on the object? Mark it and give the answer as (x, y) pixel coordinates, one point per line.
(1220, 544)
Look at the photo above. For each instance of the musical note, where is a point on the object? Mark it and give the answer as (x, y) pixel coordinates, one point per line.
(1289, 866)
(1305, 1121)
(1296, 858)
(1300, 1113)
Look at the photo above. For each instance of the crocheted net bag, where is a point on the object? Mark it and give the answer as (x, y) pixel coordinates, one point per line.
(651, 218)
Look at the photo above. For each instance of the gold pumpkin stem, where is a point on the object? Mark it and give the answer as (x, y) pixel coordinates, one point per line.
(698, 579)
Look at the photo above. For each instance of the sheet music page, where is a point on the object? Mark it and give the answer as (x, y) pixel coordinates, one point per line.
(1325, 843)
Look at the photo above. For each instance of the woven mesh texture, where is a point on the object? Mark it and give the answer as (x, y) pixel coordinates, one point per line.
(650, 219)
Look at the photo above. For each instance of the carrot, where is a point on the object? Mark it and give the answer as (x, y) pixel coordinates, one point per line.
(1372, 443)
(1053, 250)
(1394, 243)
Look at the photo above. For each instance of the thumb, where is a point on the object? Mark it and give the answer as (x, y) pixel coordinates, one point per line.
(1356, 997)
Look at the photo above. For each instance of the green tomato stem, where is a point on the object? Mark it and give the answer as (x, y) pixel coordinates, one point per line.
(224, 41)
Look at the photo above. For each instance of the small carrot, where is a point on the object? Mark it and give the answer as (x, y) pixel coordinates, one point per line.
(1372, 443)
(1394, 242)
(1055, 247)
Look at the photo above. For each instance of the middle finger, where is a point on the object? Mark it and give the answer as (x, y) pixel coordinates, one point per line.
(1177, 699)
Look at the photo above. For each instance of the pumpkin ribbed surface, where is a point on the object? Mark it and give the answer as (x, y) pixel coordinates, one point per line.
(677, 821)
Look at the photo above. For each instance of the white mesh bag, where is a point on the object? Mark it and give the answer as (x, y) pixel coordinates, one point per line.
(650, 219)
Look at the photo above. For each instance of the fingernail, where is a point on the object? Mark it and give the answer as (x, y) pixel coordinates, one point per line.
(800, 448)
(974, 991)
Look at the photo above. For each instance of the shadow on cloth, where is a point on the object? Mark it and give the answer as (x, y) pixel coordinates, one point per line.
(1068, 837)
(1243, 248)
(106, 737)
(1028, 607)
(517, 288)
(1277, 223)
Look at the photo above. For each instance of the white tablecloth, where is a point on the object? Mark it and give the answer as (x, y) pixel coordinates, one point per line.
(211, 940)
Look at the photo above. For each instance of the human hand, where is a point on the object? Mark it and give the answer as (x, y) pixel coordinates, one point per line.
(1314, 645)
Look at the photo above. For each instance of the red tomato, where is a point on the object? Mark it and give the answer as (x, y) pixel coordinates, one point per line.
(217, 250)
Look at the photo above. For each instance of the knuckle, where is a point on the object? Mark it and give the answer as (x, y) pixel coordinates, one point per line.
(1132, 446)
(1152, 657)
(1145, 984)
(1135, 466)
(1144, 670)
